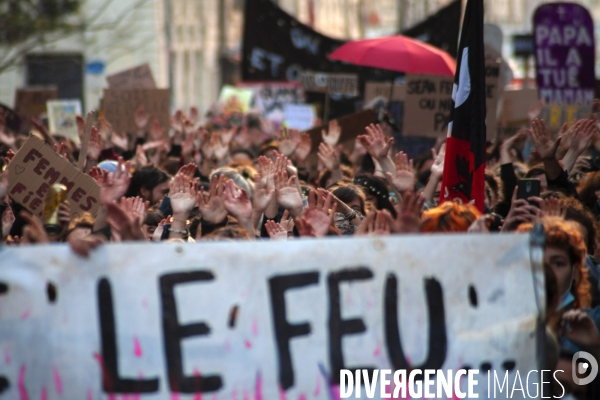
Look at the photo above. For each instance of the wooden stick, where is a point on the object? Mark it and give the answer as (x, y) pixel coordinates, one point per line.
(85, 140)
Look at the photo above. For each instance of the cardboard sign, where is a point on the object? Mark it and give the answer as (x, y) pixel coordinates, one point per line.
(565, 53)
(300, 116)
(62, 116)
(36, 167)
(120, 106)
(336, 84)
(139, 77)
(271, 98)
(265, 320)
(31, 102)
(377, 94)
(555, 115)
(427, 105)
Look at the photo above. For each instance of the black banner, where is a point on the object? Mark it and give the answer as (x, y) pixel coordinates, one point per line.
(441, 29)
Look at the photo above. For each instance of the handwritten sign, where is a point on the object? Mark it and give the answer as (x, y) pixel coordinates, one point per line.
(36, 167)
(565, 53)
(555, 115)
(120, 106)
(338, 84)
(427, 105)
(272, 97)
(264, 320)
(139, 77)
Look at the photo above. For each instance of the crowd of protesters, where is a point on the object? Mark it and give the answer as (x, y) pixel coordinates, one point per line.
(220, 182)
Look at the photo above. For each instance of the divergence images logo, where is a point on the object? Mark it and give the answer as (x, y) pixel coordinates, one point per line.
(581, 368)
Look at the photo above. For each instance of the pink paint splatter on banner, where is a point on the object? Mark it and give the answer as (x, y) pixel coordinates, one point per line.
(89, 394)
(258, 387)
(281, 393)
(175, 396)
(248, 344)
(57, 381)
(6, 357)
(25, 315)
(318, 388)
(144, 303)
(335, 392)
(455, 396)
(246, 395)
(302, 397)
(111, 396)
(137, 349)
(44, 394)
(198, 395)
(21, 384)
(377, 351)
(234, 394)
(254, 328)
(227, 345)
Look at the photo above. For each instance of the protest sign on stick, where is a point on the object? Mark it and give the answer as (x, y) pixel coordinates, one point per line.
(120, 106)
(36, 167)
(272, 97)
(85, 140)
(221, 319)
(139, 77)
(427, 105)
(565, 53)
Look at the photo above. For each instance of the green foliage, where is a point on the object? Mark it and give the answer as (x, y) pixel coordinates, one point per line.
(22, 20)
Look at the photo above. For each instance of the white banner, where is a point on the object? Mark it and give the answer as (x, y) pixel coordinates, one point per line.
(224, 320)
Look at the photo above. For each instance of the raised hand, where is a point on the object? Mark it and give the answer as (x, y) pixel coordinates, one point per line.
(376, 143)
(584, 131)
(189, 170)
(95, 145)
(287, 193)
(437, 168)
(303, 148)
(332, 136)
(320, 212)
(578, 327)
(194, 115)
(141, 118)
(377, 223)
(408, 214)
(183, 193)
(213, 211)
(544, 145)
(105, 130)
(177, 121)
(135, 206)
(405, 174)
(520, 212)
(288, 140)
(157, 132)
(114, 186)
(121, 142)
(329, 156)
(275, 230)
(83, 246)
(264, 192)
(33, 232)
(237, 203)
(125, 225)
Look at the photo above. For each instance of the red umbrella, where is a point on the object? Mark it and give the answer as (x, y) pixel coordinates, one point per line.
(397, 53)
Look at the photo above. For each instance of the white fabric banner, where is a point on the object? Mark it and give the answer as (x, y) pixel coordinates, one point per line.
(242, 320)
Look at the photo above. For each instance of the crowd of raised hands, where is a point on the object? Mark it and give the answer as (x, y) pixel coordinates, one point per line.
(195, 181)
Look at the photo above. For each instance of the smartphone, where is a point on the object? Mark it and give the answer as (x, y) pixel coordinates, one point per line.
(528, 188)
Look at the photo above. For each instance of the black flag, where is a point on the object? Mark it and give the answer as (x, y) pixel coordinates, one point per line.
(464, 164)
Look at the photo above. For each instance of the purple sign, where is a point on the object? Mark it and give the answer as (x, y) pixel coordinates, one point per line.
(565, 53)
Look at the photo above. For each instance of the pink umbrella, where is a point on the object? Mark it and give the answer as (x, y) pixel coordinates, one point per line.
(397, 53)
